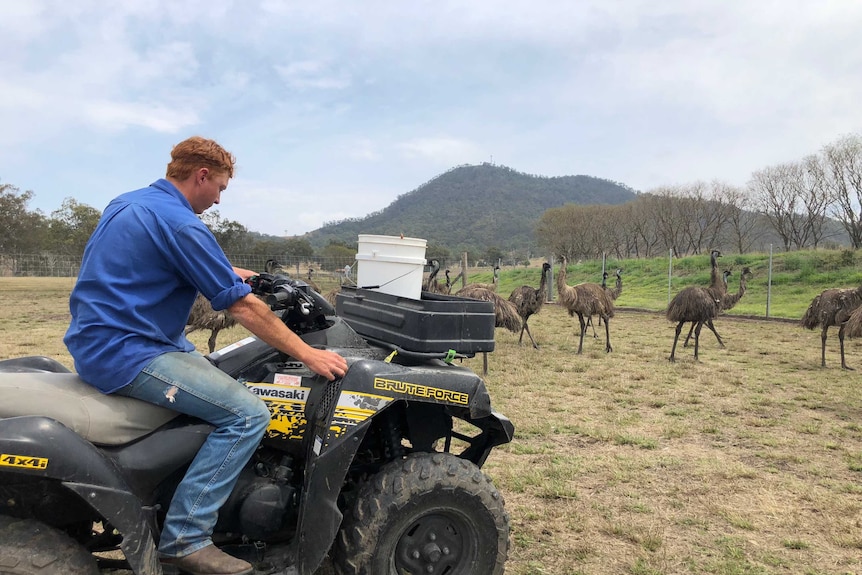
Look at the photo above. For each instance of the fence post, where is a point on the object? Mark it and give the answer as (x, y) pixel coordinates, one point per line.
(769, 283)
(463, 269)
(669, 273)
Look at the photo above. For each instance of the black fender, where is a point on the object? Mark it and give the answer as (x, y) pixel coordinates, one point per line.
(37, 446)
(330, 455)
(327, 462)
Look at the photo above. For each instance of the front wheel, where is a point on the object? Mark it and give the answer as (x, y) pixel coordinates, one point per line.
(28, 547)
(431, 513)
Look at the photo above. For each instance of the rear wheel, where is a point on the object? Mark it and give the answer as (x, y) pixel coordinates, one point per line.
(29, 547)
(431, 514)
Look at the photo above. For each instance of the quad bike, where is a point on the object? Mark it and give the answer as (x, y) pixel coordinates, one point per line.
(376, 473)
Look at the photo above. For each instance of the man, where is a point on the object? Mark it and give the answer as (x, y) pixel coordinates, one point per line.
(142, 267)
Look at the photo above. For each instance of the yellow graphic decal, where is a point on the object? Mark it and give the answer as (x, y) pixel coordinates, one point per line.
(421, 390)
(286, 406)
(352, 409)
(9, 460)
(287, 409)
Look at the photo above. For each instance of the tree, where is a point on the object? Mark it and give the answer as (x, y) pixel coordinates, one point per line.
(21, 231)
(842, 166)
(641, 232)
(233, 237)
(666, 212)
(336, 254)
(439, 253)
(703, 213)
(492, 255)
(810, 177)
(742, 228)
(776, 198)
(71, 226)
(298, 248)
(562, 231)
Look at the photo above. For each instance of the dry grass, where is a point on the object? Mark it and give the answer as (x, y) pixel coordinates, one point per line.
(747, 462)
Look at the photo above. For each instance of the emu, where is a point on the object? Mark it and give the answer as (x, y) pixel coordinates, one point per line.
(585, 299)
(833, 306)
(203, 316)
(528, 301)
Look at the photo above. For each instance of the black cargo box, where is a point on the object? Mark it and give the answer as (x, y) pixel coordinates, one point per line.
(434, 324)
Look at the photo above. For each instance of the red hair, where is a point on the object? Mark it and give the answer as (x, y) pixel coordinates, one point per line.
(197, 152)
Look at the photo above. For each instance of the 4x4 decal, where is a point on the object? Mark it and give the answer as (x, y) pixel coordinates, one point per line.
(25, 461)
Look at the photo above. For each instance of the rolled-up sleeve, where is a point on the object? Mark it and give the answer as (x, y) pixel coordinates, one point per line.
(206, 267)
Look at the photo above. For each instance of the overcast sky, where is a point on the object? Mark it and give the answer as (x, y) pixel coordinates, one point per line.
(334, 108)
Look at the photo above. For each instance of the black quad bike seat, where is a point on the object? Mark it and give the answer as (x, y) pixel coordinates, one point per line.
(42, 386)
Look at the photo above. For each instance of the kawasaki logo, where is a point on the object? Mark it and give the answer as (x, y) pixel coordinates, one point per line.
(279, 392)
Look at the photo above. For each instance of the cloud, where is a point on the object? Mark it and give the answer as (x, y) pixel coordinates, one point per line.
(440, 151)
(336, 101)
(310, 74)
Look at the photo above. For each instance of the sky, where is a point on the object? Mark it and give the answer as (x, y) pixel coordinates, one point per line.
(335, 108)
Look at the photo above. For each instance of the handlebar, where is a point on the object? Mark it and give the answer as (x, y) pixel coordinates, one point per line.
(282, 292)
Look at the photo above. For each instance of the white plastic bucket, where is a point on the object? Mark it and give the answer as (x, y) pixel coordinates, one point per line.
(391, 264)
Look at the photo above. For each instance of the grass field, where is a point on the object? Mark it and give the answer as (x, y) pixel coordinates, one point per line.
(747, 462)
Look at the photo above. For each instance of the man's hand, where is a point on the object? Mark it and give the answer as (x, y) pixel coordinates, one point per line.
(243, 273)
(326, 363)
(256, 317)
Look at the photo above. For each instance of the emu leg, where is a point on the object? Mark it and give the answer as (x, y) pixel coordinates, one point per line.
(526, 327)
(697, 339)
(608, 347)
(718, 337)
(841, 341)
(590, 324)
(675, 339)
(520, 337)
(711, 327)
(211, 342)
(688, 337)
(583, 330)
(823, 346)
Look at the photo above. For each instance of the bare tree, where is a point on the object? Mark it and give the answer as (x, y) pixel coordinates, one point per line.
(667, 214)
(741, 229)
(570, 230)
(642, 233)
(794, 198)
(816, 198)
(842, 165)
(557, 230)
(777, 199)
(704, 213)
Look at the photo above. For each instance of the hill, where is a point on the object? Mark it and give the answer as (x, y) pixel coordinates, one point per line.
(480, 206)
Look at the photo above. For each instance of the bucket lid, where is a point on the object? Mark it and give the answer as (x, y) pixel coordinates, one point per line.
(391, 259)
(398, 240)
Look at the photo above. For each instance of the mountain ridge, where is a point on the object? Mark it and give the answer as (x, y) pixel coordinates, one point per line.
(476, 206)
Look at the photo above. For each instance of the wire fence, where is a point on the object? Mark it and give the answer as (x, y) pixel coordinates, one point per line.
(59, 265)
(326, 275)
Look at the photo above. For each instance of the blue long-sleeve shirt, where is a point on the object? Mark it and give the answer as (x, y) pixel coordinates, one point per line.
(142, 268)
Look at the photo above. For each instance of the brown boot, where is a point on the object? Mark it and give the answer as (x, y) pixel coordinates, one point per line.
(209, 561)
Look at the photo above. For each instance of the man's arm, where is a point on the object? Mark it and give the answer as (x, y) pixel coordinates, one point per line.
(256, 317)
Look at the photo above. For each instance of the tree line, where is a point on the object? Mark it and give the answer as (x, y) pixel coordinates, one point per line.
(810, 203)
(66, 230)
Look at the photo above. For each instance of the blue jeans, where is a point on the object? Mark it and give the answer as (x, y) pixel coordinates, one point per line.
(188, 383)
